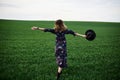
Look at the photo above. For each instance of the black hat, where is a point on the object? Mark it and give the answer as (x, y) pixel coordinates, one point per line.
(90, 35)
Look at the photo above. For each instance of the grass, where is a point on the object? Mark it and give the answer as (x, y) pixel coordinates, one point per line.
(29, 55)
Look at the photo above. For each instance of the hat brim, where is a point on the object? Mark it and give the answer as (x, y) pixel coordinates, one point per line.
(90, 35)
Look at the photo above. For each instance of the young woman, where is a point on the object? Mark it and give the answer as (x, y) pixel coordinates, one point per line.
(60, 30)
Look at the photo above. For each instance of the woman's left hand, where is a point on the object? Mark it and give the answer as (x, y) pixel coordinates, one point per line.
(34, 28)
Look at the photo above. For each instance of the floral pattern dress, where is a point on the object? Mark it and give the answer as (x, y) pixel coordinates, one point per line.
(60, 48)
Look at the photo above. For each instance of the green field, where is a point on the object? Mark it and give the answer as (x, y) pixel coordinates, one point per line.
(29, 55)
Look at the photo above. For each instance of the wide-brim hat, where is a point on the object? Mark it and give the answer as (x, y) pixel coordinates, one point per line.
(90, 35)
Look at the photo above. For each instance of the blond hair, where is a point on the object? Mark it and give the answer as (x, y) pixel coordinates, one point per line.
(60, 26)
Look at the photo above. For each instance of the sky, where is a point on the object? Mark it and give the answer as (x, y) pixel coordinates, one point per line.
(70, 10)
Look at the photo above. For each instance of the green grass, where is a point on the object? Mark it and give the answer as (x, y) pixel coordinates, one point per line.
(29, 55)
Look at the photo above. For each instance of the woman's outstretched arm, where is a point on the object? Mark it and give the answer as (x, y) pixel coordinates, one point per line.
(37, 28)
(81, 35)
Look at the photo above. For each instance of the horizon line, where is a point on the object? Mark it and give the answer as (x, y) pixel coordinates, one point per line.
(57, 19)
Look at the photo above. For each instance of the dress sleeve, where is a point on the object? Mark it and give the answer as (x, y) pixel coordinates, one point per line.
(49, 30)
(70, 32)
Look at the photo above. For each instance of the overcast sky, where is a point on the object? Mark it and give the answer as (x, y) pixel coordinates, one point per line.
(78, 10)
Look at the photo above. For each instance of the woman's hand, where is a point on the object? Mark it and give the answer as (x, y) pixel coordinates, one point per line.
(84, 36)
(34, 28)
(37, 28)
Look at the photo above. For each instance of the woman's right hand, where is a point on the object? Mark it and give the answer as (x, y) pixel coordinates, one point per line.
(34, 28)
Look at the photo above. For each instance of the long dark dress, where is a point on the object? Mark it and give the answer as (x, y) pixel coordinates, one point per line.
(60, 48)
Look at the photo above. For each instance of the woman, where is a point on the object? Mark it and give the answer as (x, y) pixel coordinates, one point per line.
(60, 30)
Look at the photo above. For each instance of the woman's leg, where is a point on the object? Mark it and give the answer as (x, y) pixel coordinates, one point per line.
(59, 69)
(59, 72)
